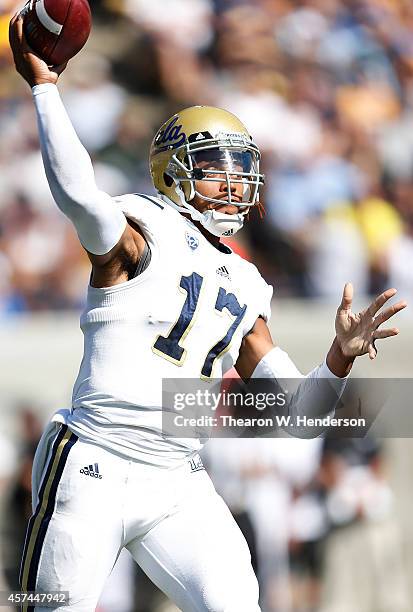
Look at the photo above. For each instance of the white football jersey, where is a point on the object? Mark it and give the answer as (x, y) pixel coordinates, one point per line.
(183, 317)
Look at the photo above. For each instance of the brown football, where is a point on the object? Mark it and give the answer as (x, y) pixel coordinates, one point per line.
(56, 29)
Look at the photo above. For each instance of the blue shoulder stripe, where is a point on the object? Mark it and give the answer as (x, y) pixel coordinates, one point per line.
(141, 195)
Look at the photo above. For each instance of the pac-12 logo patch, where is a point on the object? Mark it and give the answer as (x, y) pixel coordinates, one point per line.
(192, 241)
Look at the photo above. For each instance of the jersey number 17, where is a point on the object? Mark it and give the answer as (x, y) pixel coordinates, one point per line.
(170, 347)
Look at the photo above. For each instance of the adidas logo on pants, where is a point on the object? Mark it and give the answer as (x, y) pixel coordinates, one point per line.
(91, 471)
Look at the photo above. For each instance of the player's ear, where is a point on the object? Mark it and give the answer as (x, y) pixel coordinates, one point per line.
(168, 180)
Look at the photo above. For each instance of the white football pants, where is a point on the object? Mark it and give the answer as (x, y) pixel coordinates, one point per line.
(89, 503)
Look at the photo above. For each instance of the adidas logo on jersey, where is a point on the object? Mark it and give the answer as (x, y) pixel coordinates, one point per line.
(223, 271)
(91, 470)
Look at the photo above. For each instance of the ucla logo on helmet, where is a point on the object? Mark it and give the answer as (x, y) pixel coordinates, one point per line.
(171, 137)
(192, 241)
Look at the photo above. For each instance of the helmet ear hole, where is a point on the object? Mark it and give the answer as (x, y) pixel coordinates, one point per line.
(168, 180)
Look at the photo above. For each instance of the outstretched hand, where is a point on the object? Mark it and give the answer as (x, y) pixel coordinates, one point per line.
(31, 67)
(356, 333)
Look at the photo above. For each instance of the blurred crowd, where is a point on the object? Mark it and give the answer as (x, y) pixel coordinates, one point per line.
(326, 89)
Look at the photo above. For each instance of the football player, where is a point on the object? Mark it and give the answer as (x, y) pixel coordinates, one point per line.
(166, 300)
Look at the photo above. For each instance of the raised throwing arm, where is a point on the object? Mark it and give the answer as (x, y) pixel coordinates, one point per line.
(99, 222)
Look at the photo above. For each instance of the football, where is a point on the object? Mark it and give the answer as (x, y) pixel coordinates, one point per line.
(56, 29)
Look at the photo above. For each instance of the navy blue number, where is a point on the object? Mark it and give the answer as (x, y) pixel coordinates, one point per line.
(169, 347)
(230, 302)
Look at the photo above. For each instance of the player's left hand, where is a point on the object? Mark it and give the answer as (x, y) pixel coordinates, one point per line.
(356, 333)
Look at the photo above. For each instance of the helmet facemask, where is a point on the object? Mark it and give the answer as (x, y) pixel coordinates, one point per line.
(230, 158)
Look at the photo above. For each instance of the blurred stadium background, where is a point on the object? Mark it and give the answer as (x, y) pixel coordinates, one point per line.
(326, 88)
